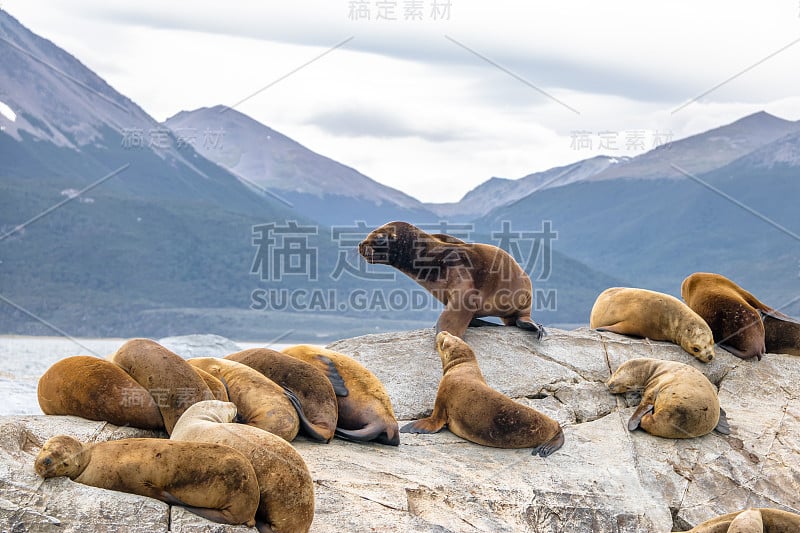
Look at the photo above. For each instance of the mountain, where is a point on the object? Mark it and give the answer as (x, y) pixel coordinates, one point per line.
(705, 151)
(496, 192)
(312, 184)
(739, 220)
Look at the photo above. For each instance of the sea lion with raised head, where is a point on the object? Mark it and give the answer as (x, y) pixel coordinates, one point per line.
(472, 280)
(476, 412)
(653, 315)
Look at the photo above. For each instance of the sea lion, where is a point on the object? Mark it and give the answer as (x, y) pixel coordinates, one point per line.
(476, 412)
(781, 333)
(365, 410)
(287, 490)
(219, 390)
(316, 401)
(471, 279)
(260, 401)
(173, 384)
(653, 315)
(213, 481)
(678, 401)
(730, 311)
(759, 520)
(97, 389)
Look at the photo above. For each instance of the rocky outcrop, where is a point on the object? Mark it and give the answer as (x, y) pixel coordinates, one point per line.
(604, 478)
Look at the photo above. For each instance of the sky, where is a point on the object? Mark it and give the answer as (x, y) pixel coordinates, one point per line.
(433, 97)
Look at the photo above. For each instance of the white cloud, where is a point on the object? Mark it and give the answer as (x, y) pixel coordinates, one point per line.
(7, 112)
(411, 109)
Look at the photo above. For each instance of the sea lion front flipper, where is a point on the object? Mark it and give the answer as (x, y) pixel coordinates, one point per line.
(423, 425)
(638, 414)
(263, 527)
(305, 423)
(722, 425)
(334, 377)
(454, 320)
(550, 446)
(530, 325)
(215, 515)
(479, 323)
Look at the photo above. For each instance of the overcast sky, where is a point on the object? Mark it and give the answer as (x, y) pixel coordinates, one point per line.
(410, 103)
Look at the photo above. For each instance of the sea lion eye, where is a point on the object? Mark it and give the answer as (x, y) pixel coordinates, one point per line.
(381, 240)
(695, 349)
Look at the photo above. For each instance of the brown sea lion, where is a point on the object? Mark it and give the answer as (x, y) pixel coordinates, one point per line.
(218, 389)
(173, 384)
(678, 401)
(476, 412)
(287, 490)
(472, 280)
(213, 481)
(781, 333)
(653, 315)
(312, 392)
(365, 410)
(97, 389)
(260, 401)
(759, 520)
(731, 312)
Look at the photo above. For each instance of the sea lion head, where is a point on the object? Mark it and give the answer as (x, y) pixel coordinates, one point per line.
(389, 244)
(61, 456)
(699, 341)
(630, 376)
(452, 350)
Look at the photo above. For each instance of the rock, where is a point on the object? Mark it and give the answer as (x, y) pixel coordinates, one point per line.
(604, 478)
(188, 346)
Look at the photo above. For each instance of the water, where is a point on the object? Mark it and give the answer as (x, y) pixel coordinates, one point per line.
(24, 359)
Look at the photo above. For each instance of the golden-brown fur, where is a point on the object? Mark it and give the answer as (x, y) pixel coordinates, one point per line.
(214, 481)
(476, 412)
(260, 401)
(748, 521)
(318, 410)
(173, 384)
(217, 388)
(97, 389)
(365, 410)
(683, 402)
(287, 490)
(653, 315)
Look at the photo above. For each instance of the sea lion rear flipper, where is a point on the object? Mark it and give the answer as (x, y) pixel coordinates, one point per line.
(637, 415)
(550, 446)
(738, 353)
(305, 423)
(263, 527)
(368, 433)
(530, 325)
(722, 425)
(423, 425)
(334, 377)
(479, 323)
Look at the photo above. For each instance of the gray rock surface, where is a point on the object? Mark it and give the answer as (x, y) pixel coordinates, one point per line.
(603, 479)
